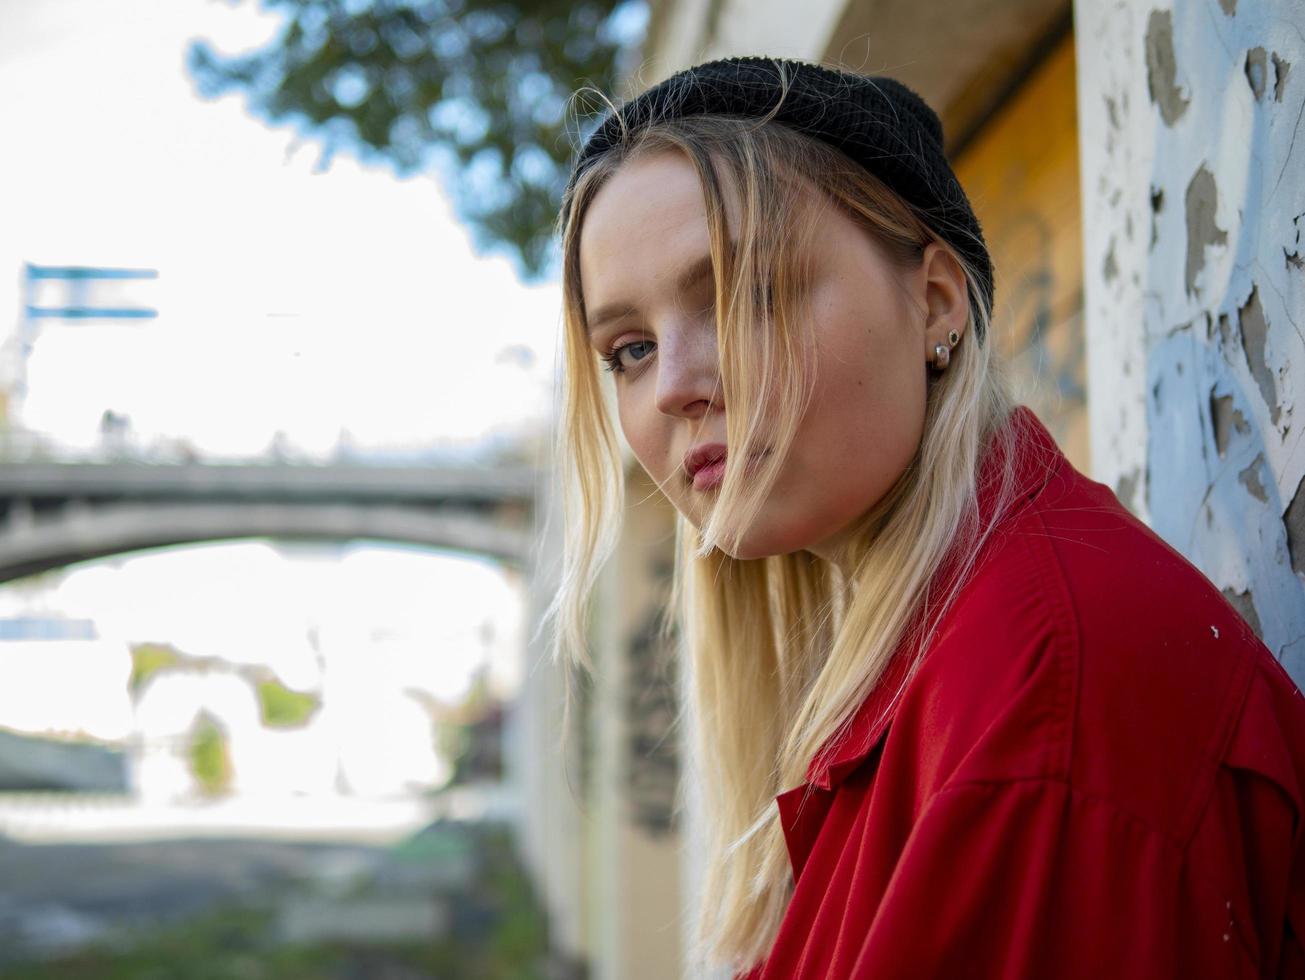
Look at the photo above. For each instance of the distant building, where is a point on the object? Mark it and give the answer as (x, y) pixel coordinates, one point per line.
(47, 628)
(31, 763)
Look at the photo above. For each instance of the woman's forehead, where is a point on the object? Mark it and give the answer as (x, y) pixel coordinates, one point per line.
(662, 186)
(648, 223)
(648, 217)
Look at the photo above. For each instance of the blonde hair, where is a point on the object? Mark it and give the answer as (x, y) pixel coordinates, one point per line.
(780, 650)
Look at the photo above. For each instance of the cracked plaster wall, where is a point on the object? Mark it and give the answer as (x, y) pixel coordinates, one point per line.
(1193, 177)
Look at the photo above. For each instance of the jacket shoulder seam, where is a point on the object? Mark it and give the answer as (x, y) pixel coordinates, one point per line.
(1065, 637)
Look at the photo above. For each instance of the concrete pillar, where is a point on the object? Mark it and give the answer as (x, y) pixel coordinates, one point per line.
(1193, 181)
(598, 828)
(544, 762)
(634, 833)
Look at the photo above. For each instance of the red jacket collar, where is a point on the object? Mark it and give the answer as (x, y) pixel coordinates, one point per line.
(1037, 459)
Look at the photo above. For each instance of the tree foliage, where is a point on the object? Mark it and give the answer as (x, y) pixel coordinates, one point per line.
(210, 759)
(147, 659)
(280, 707)
(477, 88)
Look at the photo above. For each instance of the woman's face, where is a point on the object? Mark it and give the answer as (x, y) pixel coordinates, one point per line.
(649, 296)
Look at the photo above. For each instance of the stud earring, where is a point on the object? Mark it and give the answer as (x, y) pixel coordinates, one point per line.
(941, 356)
(953, 337)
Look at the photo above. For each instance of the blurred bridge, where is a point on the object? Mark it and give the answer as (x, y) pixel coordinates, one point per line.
(55, 514)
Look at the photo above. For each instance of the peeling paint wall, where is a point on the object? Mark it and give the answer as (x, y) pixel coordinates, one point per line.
(1193, 177)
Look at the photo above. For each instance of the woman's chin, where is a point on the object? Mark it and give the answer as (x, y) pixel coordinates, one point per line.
(766, 538)
(759, 544)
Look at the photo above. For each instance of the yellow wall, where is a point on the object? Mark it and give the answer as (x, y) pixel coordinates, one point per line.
(1021, 173)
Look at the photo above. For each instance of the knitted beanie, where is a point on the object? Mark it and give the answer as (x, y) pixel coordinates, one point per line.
(876, 121)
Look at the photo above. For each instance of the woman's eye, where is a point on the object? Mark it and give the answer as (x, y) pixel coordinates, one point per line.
(626, 356)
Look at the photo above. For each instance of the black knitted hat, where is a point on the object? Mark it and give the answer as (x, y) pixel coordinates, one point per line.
(875, 120)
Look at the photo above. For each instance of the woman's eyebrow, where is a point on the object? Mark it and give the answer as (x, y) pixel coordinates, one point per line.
(699, 269)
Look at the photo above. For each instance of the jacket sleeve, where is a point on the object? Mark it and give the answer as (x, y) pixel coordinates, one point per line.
(1029, 878)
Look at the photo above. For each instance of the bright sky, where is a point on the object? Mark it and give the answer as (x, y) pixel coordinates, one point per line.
(289, 299)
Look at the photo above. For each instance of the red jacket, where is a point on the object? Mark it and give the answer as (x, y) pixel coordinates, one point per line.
(1098, 771)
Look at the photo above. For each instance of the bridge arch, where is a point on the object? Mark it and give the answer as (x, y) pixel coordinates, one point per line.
(60, 514)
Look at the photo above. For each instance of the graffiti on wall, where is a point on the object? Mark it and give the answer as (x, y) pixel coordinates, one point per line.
(652, 704)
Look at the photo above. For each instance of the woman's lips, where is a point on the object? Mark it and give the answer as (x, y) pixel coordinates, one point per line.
(709, 477)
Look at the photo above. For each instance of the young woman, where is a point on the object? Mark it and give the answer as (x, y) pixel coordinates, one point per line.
(959, 713)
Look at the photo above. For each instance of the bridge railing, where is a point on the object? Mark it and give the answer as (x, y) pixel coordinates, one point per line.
(26, 446)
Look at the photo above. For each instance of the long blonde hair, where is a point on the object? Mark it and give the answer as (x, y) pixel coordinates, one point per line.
(780, 650)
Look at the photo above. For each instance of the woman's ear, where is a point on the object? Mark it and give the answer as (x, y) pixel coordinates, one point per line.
(946, 298)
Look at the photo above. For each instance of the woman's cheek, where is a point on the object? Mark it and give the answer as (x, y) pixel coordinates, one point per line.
(644, 445)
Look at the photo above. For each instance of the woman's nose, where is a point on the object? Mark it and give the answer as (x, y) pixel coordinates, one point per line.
(688, 372)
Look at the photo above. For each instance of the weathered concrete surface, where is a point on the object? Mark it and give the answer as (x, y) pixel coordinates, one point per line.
(960, 55)
(1191, 132)
(685, 32)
